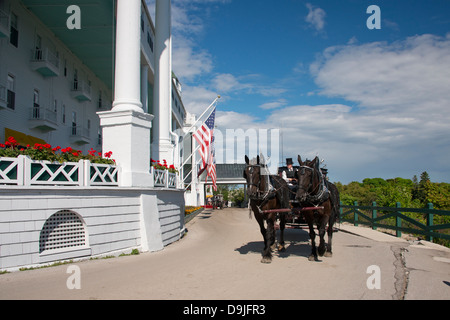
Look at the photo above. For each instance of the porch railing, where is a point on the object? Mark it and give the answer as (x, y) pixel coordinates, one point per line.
(23, 171)
(164, 178)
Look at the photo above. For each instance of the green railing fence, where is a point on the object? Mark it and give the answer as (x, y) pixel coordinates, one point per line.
(418, 221)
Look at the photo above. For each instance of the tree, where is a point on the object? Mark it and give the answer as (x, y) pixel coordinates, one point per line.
(421, 192)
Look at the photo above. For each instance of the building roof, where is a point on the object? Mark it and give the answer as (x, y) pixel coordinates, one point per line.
(230, 173)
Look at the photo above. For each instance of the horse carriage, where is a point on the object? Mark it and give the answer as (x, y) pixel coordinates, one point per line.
(217, 201)
(293, 215)
(312, 199)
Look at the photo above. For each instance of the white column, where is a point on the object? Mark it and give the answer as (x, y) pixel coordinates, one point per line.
(127, 95)
(126, 128)
(163, 82)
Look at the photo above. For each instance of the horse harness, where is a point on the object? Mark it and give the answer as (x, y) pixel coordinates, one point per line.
(266, 195)
(318, 195)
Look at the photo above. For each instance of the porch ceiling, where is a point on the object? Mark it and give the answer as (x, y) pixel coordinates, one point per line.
(93, 44)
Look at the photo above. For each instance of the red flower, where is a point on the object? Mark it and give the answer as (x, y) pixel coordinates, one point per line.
(12, 140)
(75, 154)
(108, 154)
(47, 146)
(2, 145)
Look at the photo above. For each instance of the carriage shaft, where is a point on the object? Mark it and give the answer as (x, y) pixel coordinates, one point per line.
(289, 210)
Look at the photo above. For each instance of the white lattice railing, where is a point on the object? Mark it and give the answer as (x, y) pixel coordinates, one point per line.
(23, 171)
(163, 178)
(102, 175)
(49, 173)
(11, 171)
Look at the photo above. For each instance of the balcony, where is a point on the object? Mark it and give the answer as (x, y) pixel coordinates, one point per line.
(3, 97)
(80, 135)
(4, 24)
(81, 91)
(42, 119)
(45, 62)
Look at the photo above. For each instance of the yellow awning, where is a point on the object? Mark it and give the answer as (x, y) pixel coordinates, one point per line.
(21, 138)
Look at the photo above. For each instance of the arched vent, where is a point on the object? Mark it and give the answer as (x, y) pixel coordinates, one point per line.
(63, 229)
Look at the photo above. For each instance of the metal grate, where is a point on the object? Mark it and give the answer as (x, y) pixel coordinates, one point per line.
(63, 229)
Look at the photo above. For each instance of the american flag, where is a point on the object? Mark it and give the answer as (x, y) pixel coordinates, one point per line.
(204, 137)
(211, 170)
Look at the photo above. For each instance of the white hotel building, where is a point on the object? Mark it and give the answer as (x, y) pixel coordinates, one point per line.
(54, 80)
(108, 85)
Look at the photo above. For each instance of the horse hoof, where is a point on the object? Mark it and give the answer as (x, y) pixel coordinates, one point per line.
(266, 260)
(328, 254)
(311, 258)
(321, 251)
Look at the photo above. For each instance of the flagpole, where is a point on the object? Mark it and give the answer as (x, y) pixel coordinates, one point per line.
(198, 147)
(198, 119)
(193, 171)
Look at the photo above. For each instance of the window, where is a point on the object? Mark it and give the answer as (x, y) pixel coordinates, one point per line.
(75, 79)
(74, 123)
(100, 103)
(99, 137)
(38, 48)
(11, 104)
(14, 31)
(36, 109)
(63, 111)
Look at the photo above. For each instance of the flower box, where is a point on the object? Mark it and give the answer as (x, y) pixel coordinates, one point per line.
(163, 178)
(23, 171)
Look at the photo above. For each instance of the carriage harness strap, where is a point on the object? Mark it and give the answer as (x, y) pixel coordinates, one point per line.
(321, 192)
(270, 191)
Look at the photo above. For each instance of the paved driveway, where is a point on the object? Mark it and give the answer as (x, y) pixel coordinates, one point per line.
(219, 258)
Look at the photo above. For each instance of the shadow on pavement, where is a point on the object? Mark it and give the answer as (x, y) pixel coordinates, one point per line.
(296, 244)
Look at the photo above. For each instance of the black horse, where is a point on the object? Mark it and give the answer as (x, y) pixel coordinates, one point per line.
(266, 192)
(314, 191)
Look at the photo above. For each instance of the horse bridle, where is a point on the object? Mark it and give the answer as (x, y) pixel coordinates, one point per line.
(250, 183)
(319, 186)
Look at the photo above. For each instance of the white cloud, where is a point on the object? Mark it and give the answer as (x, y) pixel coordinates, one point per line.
(399, 126)
(197, 99)
(234, 120)
(274, 104)
(315, 17)
(406, 74)
(225, 82)
(188, 62)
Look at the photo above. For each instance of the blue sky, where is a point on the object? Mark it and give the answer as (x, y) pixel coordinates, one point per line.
(372, 103)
